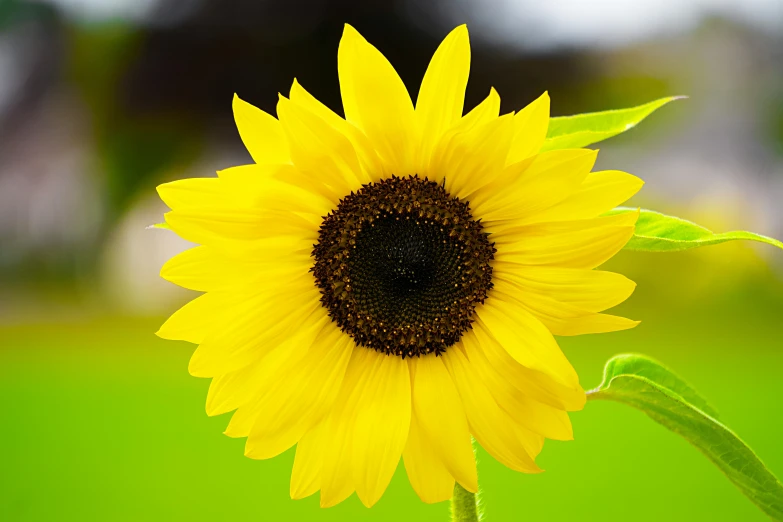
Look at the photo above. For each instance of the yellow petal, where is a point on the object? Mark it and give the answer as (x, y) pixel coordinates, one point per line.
(206, 268)
(275, 364)
(377, 102)
(537, 385)
(481, 115)
(254, 262)
(547, 180)
(294, 176)
(337, 472)
(442, 419)
(442, 93)
(526, 339)
(261, 133)
(559, 318)
(303, 397)
(428, 476)
(373, 167)
(306, 473)
(215, 224)
(599, 193)
(493, 428)
(588, 324)
(245, 387)
(260, 323)
(591, 290)
(194, 193)
(196, 319)
(318, 149)
(568, 244)
(470, 159)
(190, 269)
(247, 184)
(265, 187)
(230, 390)
(383, 414)
(484, 112)
(538, 417)
(530, 127)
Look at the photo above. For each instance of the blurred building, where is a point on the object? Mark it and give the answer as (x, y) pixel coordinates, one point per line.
(102, 100)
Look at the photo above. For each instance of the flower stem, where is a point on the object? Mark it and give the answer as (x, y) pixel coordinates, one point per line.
(464, 505)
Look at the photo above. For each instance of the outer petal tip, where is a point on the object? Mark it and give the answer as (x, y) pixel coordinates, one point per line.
(210, 410)
(369, 501)
(460, 31)
(350, 33)
(295, 86)
(328, 501)
(161, 190)
(237, 103)
(296, 494)
(281, 105)
(541, 103)
(196, 369)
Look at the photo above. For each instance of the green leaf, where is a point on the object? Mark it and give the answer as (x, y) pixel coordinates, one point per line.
(644, 367)
(581, 130)
(652, 388)
(656, 232)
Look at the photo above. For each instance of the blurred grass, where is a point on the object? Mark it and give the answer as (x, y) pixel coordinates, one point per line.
(102, 422)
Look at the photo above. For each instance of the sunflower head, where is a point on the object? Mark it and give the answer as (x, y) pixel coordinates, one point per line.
(402, 266)
(389, 283)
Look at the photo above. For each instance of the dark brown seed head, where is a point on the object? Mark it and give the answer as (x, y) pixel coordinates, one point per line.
(402, 265)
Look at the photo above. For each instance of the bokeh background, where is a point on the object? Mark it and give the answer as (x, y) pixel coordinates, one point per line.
(101, 100)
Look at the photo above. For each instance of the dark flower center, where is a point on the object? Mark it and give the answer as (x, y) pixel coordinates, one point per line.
(402, 265)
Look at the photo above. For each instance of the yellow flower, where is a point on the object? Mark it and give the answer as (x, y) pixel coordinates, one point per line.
(389, 284)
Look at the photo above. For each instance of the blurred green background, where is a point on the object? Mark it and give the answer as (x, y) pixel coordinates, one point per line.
(101, 100)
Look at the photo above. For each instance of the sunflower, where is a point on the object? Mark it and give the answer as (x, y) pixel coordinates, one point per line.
(389, 284)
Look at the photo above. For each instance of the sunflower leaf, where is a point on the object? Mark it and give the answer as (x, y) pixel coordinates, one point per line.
(656, 232)
(581, 130)
(646, 368)
(645, 384)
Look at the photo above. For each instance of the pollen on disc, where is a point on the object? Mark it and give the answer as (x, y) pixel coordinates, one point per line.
(402, 265)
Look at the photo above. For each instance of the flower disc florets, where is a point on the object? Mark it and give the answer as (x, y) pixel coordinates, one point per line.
(402, 265)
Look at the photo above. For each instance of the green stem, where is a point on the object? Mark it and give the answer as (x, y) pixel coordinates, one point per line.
(464, 505)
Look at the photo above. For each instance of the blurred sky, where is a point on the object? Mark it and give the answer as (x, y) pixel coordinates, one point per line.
(599, 23)
(101, 100)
